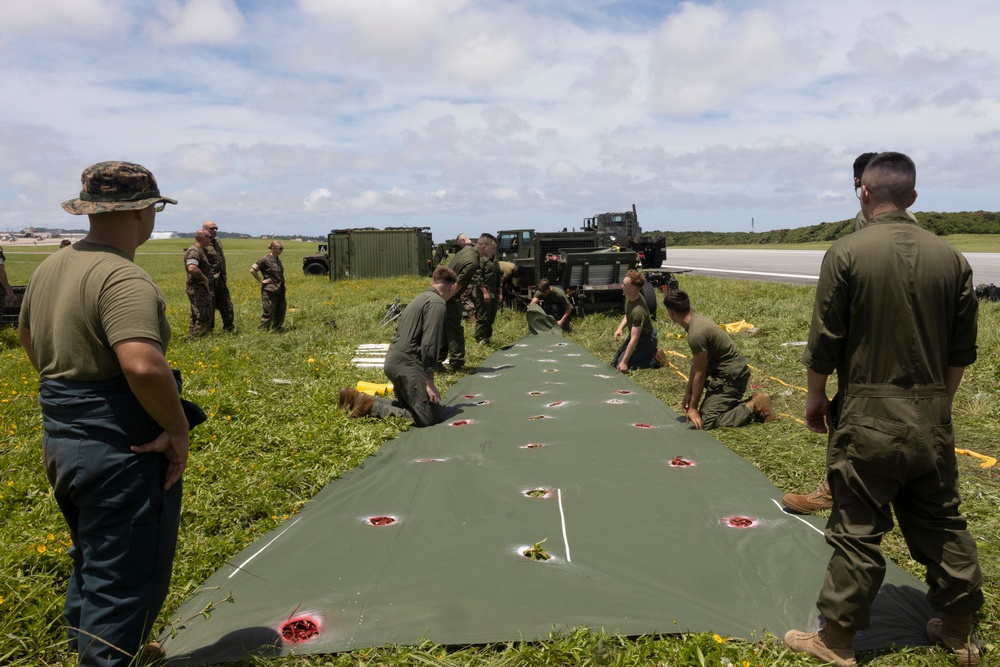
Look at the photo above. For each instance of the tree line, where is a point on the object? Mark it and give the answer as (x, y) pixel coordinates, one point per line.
(942, 224)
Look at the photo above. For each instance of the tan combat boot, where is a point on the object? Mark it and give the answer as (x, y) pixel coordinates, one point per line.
(832, 644)
(761, 408)
(362, 405)
(955, 633)
(807, 503)
(347, 397)
(151, 654)
(661, 358)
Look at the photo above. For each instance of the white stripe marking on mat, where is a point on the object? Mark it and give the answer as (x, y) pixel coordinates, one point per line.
(241, 565)
(562, 517)
(795, 516)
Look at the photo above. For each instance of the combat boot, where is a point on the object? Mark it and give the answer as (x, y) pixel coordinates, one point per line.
(807, 503)
(347, 397)
(955, 633)
(362, 405)
(761, 408)
(661, 358)
(151, 654)
(832, 644)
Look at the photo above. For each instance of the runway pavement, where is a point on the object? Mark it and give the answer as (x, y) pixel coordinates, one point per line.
(789, 266)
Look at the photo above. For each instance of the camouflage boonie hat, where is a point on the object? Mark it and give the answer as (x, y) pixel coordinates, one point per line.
(115, 186)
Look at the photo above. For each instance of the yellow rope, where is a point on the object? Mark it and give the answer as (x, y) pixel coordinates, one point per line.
(988, 461)
(785, 414)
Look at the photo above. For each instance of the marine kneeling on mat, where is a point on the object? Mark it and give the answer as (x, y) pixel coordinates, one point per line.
(412, 359)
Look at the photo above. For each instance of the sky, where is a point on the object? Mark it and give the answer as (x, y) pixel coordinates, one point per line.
(296, 117)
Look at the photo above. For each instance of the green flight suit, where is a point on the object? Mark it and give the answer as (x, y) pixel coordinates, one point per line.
(412, 357)
(727, 375)
(486, 311)
(895, 308)
(465, 264)
(860, 221)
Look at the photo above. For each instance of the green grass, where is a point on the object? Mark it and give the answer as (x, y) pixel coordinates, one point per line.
(269, 447)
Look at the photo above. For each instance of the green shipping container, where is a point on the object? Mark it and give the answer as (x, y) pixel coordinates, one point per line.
(372, 253)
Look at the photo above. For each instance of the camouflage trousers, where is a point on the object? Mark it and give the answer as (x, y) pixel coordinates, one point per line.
(224, 302)
(274, 307)
(202, 311)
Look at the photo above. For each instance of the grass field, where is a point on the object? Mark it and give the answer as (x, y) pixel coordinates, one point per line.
(267, 448)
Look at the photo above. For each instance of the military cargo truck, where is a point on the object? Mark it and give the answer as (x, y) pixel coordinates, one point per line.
(589, 272)
(622, 229)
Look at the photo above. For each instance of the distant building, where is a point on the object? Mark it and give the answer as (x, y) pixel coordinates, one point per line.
(163, 235)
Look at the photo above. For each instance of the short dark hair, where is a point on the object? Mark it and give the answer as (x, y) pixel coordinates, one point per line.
(677, 301)
(861, 162)
(442, 274)
(543, 285)
(891, 177)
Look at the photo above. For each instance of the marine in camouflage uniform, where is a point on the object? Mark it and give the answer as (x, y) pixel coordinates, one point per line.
(199, 286)
(270, 273)
(217, 258)
(895, 317)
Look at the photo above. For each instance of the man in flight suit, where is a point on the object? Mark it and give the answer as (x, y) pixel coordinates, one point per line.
(466, 265)
(895, 317)
(412, 359)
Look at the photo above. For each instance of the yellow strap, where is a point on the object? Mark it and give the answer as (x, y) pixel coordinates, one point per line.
(988, 461)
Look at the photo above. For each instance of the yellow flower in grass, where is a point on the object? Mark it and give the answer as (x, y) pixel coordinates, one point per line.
(40, 548)
(718, 639)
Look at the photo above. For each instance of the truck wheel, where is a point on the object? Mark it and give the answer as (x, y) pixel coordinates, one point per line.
(314, 269)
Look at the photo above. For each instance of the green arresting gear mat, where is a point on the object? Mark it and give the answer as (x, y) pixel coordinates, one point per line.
(644, 526)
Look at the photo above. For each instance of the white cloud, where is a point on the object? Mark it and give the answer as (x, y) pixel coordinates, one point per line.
(456, 111)
(706, 57)
(97, 18)
(315, 196)
(198, 21)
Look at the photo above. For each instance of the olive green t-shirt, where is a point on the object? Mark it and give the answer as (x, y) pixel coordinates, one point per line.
(80, 302)
(724, 360)
(556, 295)
(637, 315)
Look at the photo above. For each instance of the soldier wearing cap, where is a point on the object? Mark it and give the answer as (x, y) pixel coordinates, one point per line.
(200, 285)
(220, 288)
(115, 428)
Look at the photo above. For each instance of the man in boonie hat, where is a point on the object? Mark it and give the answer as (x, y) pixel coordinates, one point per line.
(116, 186)
(116, 429)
